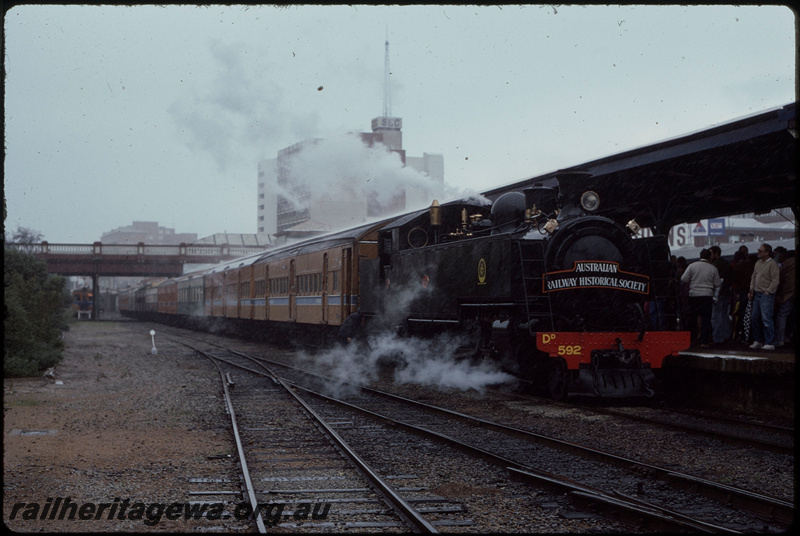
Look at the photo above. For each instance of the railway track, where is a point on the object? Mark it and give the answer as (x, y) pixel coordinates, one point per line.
(619, 484)
(284, 467)
(729, 429)
(741, 432)
(540, 458)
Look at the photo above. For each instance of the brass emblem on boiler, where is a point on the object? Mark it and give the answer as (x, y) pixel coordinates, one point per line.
(481, 272)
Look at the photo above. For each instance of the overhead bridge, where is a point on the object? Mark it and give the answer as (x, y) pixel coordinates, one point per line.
(134, 260)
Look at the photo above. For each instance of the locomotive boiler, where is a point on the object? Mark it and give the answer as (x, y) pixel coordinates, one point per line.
(535, 280)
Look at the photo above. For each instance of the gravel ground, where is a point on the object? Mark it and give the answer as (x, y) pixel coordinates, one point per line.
(748, 468)
(118, 423)
(744, 467)
(114, 422)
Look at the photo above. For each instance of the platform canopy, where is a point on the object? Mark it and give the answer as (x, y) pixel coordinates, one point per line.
(747, 165)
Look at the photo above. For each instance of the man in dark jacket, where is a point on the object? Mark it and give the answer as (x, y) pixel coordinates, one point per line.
(742, 271)
(720, 312)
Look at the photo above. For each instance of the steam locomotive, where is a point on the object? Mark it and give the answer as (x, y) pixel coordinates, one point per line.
(554, 292)
(536, 280)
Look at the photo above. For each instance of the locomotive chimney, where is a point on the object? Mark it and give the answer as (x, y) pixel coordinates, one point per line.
(540, 199)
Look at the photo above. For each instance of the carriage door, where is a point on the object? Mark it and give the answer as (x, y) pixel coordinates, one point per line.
(292, 291)
(324, 285)
(347, 283)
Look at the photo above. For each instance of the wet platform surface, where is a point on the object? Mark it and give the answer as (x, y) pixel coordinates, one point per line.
(731, 376)
(736, 357)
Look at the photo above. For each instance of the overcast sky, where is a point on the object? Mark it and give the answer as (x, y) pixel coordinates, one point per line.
(119, 114)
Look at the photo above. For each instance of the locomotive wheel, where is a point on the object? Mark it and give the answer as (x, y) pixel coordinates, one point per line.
(558, 380)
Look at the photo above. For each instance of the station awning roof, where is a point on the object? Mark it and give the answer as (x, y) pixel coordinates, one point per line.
(747, 165)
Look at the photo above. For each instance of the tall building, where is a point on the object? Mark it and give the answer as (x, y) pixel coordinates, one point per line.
(296, 200)
(267, 196)
(299, 204)
(148, 232)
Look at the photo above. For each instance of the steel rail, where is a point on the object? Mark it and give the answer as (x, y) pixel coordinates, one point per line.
(659, 517)
(780, 510)
(403, 509)
(766, 444)
(249, 489)
(391, 497)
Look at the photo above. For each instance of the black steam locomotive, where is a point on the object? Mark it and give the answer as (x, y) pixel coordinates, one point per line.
(538, 281)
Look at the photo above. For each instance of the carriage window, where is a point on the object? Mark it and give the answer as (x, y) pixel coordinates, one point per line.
(278, 286)
(261, 287)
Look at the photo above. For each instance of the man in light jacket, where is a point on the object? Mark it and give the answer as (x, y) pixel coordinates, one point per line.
(704, 283)
(763, 285)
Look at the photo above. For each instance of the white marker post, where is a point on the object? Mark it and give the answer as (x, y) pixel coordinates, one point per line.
(153, 338)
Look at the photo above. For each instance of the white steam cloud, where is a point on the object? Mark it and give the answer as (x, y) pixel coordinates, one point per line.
(240, 113)
(345, 167)
(348, 182)
(428, 362)
(244, 114)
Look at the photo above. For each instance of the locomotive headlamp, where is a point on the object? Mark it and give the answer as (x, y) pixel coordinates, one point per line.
(590, 201)
(633, 227)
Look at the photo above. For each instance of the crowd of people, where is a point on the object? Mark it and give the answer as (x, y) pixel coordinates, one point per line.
(750, 300)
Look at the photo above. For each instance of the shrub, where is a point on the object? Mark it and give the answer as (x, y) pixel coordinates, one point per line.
(35, 315)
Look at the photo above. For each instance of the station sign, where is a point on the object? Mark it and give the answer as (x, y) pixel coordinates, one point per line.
(700, 228)
(716, 227)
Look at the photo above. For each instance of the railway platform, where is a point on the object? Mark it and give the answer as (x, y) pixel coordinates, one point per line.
(736, 357)
(733, 377)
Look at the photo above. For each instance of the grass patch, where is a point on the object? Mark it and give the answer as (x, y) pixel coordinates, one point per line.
(23, 403)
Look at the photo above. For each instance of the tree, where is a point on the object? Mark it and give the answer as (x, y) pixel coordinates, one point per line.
(24, 235)
(35, 306)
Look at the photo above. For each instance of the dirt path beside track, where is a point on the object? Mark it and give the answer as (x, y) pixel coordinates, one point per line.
(115, 423)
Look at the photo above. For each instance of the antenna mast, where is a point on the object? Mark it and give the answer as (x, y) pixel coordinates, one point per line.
(387, 94)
